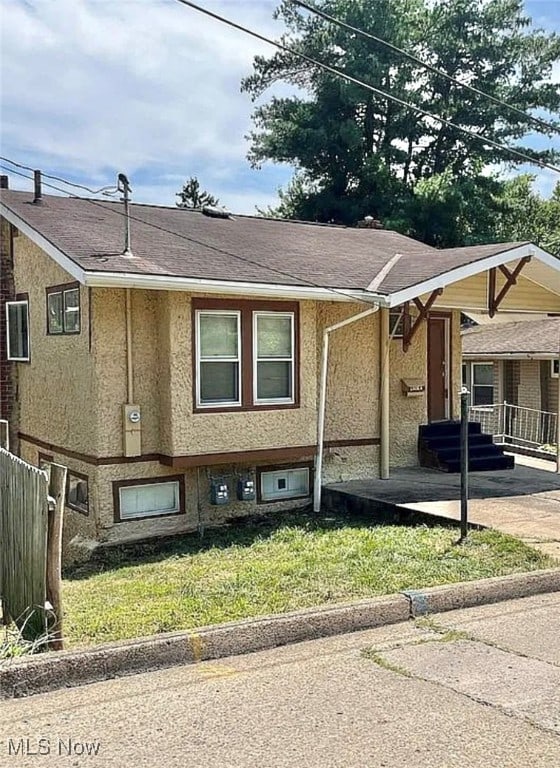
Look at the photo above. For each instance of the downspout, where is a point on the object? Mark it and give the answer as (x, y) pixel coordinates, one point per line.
(129, 378)
(384, 395)
(323, 401)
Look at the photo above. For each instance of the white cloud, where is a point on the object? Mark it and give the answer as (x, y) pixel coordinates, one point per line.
(146, 86)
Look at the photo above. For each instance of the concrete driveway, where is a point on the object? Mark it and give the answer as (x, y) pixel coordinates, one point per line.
(466, 689)
(524, 501)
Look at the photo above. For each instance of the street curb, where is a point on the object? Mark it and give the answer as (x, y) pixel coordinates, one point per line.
(66, 669)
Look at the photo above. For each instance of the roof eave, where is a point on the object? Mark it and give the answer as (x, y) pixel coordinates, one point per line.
(62, 259)
(230, 287)
(511, 355)
(471, 269)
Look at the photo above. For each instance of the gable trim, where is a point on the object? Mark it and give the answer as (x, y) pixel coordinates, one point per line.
(474, 268)
(51, 250)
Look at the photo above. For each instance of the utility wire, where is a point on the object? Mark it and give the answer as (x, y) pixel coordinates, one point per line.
(107, 206)
(411, 57)
(58, 178)
(349, 78)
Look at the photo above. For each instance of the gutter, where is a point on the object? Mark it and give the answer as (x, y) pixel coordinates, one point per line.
(510, 356)
(270, 290)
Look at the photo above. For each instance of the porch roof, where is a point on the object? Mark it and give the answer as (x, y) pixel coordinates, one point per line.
(181, 249)
(519, 340)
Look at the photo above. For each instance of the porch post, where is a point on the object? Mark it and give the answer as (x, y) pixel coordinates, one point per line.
(384, 349)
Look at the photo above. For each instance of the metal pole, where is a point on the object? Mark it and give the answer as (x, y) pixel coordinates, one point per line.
(464, 462)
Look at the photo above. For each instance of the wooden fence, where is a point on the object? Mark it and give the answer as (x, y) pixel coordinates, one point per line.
(31, 505)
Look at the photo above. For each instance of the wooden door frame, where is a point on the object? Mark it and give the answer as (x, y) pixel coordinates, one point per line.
(448, 353)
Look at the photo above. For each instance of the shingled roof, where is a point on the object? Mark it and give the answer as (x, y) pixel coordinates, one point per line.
(179, 243)
(528, 338)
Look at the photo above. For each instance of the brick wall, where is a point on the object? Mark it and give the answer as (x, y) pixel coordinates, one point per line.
(529, 390)
(8, 371)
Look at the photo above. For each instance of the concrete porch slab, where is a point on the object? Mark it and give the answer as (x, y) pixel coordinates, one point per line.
(523, 502)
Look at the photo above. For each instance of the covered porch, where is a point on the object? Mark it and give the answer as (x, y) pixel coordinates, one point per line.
(523, 502)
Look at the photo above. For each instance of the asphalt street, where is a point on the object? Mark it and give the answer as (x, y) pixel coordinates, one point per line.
(477, 687)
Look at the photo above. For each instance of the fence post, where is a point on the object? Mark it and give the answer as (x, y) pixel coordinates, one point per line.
(57, 491)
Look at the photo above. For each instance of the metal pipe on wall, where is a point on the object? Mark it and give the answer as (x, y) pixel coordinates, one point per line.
(323, 401)
(129, 375)
(384, 417)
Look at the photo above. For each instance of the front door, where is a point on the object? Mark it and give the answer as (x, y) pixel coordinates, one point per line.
(438, 384)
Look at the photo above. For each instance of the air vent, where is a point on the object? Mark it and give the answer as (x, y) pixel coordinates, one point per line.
(215, 212)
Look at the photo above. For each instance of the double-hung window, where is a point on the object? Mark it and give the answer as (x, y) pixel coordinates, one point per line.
(273, 357)
(63, 309)
(219, 358)
(17, 330)
(246, 354)
(482, 383)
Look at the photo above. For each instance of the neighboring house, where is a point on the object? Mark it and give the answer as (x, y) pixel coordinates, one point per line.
(515, 363)
(193, 366)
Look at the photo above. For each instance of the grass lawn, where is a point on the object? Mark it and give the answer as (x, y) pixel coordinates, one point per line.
(275, 565)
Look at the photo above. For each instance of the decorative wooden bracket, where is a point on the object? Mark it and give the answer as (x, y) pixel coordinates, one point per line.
(409, 329)
(511, 279)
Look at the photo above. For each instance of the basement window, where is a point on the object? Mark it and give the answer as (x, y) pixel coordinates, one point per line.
(288, 483)
(77, 492)
(17, 330)
(136, 500)
(63, 309)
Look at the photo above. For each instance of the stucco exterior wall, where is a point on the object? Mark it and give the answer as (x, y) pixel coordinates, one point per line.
(82, 412)
(199, 512)
(163, 382)
(56, 390)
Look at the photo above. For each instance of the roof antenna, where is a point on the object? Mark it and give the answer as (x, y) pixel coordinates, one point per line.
(124, 187)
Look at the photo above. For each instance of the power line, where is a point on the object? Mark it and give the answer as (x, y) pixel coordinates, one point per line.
(356, 30)
(57, 178)
(106, 206)
(372, 88)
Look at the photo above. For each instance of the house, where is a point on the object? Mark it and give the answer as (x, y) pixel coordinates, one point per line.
(514, 362)
(223, 366)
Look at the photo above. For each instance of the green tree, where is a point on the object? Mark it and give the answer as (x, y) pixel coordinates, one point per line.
(355, 153)
(525, 215)
(191, 196)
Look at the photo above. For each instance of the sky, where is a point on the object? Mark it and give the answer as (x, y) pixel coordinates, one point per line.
(151, 88)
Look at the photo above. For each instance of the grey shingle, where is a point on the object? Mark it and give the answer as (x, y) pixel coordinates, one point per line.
(176, 242)
(527, 337)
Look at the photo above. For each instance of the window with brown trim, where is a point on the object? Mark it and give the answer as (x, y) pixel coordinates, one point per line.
(282, 483)
(43, 459)
(63, 309)
(246, 354)
(77, 492)
(144, 498)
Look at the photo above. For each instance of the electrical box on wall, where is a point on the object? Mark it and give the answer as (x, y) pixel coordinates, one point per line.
(413, 387)
(246, 489)
(132, 430)
(219, 492)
